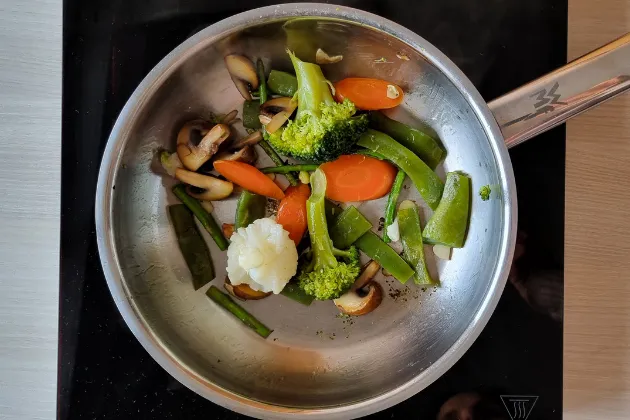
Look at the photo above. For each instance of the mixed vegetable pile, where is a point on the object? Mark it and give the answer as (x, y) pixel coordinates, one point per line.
(343, 150)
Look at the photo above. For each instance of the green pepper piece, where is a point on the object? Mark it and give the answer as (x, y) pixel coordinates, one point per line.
(191, 244)
(383, 254)
(250, 207)
(282, 83)
(348, 227)
(251, 110)
(294, 291)
(206, 219)
(429, 185)
(448, 224)
(238, 311)
(423, 145)
(411, 238)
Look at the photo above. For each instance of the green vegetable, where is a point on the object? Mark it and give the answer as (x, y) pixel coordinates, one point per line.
(288, 168)
(332, 212)
(192, 245)
(293, 291)
(429, 185)
(348, 227)
(390, 208)
(411, 238)
(484, 192)
(305, 177)
(206, 219)
(423, 145)
(238, 311)
(366, 152)
(324, 277)
(323, 129)
(170, 162)
(383, 254)
(275, 157)
(262, 89)
(251, 111)
(282, 83)
(448, 224)
(250, 207)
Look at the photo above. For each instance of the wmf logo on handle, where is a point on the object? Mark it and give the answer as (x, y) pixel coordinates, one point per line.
(519, 407)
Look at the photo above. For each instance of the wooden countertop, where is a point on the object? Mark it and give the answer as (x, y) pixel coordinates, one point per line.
(597, 239)
(597, 279)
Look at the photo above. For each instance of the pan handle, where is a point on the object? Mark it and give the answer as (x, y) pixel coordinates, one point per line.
(554, 98)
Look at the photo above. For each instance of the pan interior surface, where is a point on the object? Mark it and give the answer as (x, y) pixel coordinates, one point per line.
(314, 359)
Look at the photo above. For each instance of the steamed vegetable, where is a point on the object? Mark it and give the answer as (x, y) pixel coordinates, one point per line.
(448, 224)
(322, 129)
(382, 253)
(235, 309)
(249, 207)
(251, 110)
(411, 238)
(293, 291)
(206, 219)
(392, 200)
(262, 256)
(423, 145)
(325, 276)
(282, 83)
(192, 245)
(170, 162)
(484, 192)
(273, 155)
(429, 185)
(369, 94)
(358, 178)
(348, 227)
(284, 169)
(248, 177)
(292, 211)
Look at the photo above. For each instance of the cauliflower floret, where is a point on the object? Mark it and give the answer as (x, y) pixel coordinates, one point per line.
(262, 256)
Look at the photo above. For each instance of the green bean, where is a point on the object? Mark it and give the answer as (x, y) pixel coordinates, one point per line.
(206, 219)
(282, 83)
(251, 111)
(423, 145)
(448, 224)
(250, 207)
(238, 311)
(383, 254)
(191, 244)
(293, 291)
(369, 153)
(275, 157)
(429, 185)
(288, 168)
(411, 238)
(262, 89)
(348, 227)
(392, 200)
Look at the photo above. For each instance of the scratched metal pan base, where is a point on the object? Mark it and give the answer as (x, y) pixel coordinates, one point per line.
(314, 365)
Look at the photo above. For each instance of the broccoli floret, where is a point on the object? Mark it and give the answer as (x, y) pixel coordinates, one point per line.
(484, 192)
(325, 276)
(323, 129)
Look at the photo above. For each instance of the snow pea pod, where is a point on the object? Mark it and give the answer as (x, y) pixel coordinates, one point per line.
(411, 238)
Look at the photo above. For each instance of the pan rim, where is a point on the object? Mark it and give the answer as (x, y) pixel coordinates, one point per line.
(111, 162)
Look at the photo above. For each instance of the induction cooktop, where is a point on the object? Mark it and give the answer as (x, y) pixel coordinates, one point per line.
(513, 370)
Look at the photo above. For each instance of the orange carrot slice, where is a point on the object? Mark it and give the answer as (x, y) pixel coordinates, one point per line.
(369, 94)
(292, 211)
(358, 178)
(249, 178)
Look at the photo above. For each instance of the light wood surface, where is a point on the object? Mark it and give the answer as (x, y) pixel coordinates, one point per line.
(30, 151)
(597, 241)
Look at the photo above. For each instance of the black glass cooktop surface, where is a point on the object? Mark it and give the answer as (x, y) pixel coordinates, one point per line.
(513, 370)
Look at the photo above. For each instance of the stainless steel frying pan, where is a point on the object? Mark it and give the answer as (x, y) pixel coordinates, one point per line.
(316, 365)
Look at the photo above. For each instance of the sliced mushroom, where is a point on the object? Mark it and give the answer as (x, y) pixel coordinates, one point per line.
(243, 291)
(243, 74)
(227, 119)
(275, 112)
(246, 154)
(250, 140)
(368, 272)
(204, 187)
(361, 301)
(321, 57)
(194, 155)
